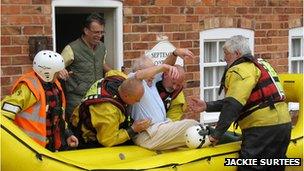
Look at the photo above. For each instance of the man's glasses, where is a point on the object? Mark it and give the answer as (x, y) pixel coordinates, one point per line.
(97, 32)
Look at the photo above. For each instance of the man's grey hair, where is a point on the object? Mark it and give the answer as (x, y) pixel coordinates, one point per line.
(237, 43)
(142, 63)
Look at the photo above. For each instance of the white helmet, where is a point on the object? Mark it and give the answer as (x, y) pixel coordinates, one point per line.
(46, 63)
(197, 136)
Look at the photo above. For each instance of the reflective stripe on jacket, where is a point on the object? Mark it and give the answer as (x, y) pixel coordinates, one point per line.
(33, 119)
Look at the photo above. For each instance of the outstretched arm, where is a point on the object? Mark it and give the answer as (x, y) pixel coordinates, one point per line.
(151, 71)
(183, 53)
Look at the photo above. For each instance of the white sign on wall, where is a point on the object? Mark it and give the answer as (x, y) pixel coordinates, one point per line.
(161, 51)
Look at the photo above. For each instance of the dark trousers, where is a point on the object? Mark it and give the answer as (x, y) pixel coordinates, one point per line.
(265, 142)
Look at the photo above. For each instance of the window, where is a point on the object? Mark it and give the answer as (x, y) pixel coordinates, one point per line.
(296, 54)
(212, 64)
(213, 68)
(295, 64)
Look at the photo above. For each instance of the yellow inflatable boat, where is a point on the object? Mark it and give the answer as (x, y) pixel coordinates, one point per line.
(19, 152)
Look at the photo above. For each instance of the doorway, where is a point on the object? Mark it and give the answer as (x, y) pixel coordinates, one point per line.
(68, 17)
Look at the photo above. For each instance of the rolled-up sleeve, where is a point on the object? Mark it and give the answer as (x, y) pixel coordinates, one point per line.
(67, 55)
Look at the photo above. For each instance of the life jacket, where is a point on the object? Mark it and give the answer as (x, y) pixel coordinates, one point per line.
(166, 96)
(106, 91)
(55, 121)
(33, 119)
(267, 91)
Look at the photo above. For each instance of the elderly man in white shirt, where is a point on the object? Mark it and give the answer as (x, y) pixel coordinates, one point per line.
(163, 133)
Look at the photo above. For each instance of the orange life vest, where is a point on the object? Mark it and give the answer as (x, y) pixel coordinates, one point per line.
(33, 119)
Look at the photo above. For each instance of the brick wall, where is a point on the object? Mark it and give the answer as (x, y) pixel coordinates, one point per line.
(20, 19)
(180, 20)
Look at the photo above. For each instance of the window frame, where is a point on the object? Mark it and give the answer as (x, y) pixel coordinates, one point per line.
(295, 33)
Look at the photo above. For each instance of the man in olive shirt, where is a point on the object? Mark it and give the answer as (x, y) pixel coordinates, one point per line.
(84, 60)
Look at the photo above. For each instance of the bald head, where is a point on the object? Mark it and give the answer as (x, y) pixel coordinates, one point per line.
(131, 90)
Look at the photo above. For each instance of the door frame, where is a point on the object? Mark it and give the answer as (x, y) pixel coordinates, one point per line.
(117, 20)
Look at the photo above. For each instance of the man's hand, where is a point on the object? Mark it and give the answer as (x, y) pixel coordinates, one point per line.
(64, 74)
(214, 141)
(171, 71)
(141, 125)
(196, 105)
(183, 53)
(196, 116)
(72, 141)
